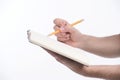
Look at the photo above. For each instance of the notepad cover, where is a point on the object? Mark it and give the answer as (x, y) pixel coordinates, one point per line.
(58, 47)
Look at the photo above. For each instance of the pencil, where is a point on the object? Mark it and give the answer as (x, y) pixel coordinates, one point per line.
(71, 25)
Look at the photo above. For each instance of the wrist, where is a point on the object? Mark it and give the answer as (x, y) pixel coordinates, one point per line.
(83, 39)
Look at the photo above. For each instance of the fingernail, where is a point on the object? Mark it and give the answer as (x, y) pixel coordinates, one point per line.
(62, 29)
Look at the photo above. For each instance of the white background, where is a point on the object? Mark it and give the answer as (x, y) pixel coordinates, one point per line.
(21, 60)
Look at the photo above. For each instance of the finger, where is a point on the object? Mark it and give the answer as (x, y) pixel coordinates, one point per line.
(61, 28)
(61, 34)
(73, 65)
(62, 39)
(60, 58)
(69, 29)
(54, 54)
(56, 27)
(60, 22)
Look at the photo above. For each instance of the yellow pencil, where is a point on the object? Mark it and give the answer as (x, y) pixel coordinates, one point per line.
(71, 25)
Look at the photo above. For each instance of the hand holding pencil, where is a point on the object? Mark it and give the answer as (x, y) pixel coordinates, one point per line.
(65, 33)
(71, 25)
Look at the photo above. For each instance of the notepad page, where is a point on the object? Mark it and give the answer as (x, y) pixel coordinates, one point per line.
(58, 47)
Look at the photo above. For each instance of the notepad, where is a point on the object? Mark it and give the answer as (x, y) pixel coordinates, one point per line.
(70, 52)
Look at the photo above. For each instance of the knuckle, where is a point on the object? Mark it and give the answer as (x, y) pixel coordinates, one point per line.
(55, 27)
(56, 20)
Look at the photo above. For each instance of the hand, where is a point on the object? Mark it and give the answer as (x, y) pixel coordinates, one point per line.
(73, 65)
(68, 35)
(111, 72)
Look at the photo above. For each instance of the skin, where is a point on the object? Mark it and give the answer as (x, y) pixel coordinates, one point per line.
(102, 46)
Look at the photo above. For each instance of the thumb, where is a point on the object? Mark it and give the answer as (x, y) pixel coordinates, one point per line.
(68, 28)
